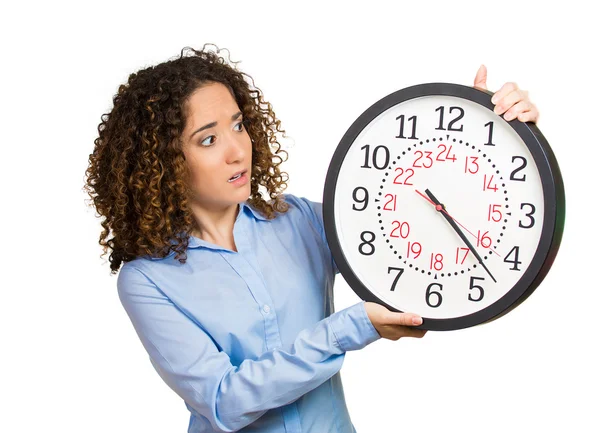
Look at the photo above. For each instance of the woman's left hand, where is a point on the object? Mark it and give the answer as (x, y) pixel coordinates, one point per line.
(510, 100)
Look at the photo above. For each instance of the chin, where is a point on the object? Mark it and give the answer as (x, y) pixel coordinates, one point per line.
(241, 195)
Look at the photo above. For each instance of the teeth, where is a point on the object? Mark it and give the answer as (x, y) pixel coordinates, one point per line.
(235, 177)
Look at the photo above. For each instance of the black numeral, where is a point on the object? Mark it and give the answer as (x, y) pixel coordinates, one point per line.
(369, 243)
(365, 199)
(375, 159)
(412, 119)
(431, 293)
(528, 215)
(516, 261)
(475, 286)
(518, 169)
(400, 272)
(453, 121)
(491, 125)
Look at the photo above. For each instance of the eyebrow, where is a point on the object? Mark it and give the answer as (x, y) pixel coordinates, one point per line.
(210, 125)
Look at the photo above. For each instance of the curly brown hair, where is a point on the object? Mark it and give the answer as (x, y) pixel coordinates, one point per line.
(138, 178)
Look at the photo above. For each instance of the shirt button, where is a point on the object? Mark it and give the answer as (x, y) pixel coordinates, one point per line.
(266, 308)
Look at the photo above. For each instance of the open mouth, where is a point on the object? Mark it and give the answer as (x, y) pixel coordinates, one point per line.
(237, 176)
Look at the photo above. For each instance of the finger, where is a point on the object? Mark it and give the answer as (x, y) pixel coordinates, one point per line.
(530, 116)
(507, 102)
(481, 78)
(407, 319)
(514, 111)
(411, 332)
(504, 90)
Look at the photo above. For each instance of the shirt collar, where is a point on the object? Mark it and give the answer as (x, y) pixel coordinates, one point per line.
(245, 205)
(194, 242)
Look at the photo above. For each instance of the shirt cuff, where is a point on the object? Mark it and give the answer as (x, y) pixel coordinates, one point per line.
(352, 328)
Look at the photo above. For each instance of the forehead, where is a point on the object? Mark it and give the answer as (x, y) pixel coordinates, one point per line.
(211, 101)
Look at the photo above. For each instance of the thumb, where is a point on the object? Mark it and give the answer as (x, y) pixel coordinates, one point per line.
(481, 77)
(408, 319)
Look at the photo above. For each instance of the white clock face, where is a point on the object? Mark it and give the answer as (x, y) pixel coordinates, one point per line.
(418, 180)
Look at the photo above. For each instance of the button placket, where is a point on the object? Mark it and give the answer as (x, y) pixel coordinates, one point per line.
(246, 260)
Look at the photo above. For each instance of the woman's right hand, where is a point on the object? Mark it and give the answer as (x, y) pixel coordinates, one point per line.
(392, 325)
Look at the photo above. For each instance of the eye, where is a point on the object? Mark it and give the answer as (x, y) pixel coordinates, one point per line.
(207, 144)
(240, 129)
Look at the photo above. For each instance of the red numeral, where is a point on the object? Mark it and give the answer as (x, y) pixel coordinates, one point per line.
(427, 155)
(494, 213)
(463, 249)
(415, 248)
(470, 164)
(447, 157)
(435, 261)
(397, 182)
(403, 227)
(487, 184)
(392, 199)
(483, 239)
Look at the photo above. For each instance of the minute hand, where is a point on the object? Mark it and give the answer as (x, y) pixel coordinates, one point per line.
(458, 231)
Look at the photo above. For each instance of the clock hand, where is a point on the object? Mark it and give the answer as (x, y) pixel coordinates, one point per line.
(442, 209)
(439, 207)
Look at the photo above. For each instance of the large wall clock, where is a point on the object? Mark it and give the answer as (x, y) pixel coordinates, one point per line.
(434, 204)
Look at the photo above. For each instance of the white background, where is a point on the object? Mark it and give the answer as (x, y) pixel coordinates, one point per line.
(71, 360)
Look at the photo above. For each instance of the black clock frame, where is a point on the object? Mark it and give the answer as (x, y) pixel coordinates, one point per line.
(553, 192)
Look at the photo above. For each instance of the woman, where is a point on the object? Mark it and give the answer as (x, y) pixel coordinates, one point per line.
(231, 294)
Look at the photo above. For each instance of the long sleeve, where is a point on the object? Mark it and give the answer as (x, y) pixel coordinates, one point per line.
(229, 396)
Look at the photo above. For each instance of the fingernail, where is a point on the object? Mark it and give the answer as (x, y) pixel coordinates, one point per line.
(494, 99)
(417, 320)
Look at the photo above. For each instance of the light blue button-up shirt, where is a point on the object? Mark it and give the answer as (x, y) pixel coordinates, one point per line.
(249, 339)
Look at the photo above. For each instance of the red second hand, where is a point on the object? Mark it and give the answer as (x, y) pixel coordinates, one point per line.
(440, 208)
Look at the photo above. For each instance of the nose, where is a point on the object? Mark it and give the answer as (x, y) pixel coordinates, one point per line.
(237, 149)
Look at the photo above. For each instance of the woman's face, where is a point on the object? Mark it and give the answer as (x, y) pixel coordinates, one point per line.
(217, 146)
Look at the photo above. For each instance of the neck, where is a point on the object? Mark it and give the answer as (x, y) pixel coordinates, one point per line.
(215, 225)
